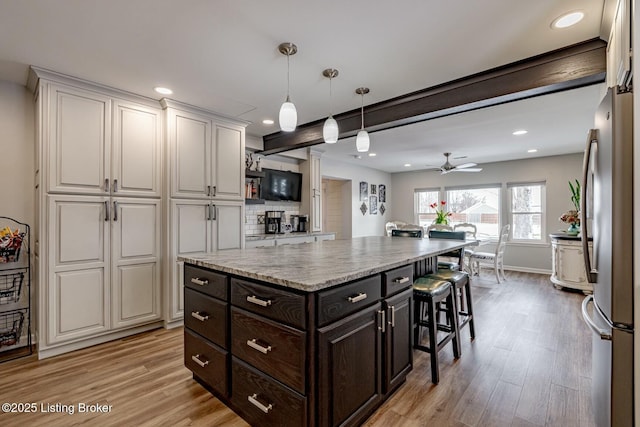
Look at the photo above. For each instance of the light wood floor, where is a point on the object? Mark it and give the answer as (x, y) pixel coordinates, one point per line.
(528, 366)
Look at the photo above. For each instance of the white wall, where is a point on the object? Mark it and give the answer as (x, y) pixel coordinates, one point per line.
(556, 171)
(17, 140)
(362, 225)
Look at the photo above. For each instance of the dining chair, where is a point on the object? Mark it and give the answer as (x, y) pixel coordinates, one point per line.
(471, 232)
(494, 259)
(439, 227)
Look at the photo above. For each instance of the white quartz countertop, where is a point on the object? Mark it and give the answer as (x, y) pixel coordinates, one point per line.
(311, 267)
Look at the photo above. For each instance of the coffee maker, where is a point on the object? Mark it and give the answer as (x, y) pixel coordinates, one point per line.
(302, 223)
(273, 222)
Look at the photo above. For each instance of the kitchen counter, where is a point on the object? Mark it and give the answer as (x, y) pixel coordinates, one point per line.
(264, 236)
(324, 264)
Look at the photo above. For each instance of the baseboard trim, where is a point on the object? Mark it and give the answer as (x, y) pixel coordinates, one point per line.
(174, 324)
(56, 350)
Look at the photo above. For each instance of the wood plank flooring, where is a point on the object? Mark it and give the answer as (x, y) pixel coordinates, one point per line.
(529, 365)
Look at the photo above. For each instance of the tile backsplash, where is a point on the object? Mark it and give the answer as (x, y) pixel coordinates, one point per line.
(251, 212)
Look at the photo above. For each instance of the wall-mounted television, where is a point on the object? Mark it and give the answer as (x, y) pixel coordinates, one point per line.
(281, 185)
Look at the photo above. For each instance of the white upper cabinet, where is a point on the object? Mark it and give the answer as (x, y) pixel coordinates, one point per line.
(136, 150)
(101, 145)
(207, 156)
(619, 46)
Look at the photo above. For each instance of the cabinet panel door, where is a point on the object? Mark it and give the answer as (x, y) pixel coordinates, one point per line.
(228, 158)
(136, 150)
(79, 135)
(227, 227)
(135, 261)
(399, 349)
(190, 137)
(315, 209)
(350, 368)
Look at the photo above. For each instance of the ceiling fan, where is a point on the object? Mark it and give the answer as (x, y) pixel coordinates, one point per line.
(448, 167)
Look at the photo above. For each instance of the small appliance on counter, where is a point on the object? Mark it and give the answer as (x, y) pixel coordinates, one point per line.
(298, 223)
(273, 222)
(302, 225)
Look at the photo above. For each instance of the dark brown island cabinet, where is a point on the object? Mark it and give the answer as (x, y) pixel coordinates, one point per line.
(279, 356)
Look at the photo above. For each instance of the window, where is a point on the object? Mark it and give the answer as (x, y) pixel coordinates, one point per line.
(422, 199)
(526, 210)
(476, 205)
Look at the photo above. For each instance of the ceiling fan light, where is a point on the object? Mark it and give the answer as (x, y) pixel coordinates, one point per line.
(362, 141)
(330, 131)
(288, 116)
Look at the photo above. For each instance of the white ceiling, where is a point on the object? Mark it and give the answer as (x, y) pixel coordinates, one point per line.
(222, 55)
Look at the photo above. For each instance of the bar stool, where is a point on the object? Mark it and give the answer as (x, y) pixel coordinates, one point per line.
(428, 294)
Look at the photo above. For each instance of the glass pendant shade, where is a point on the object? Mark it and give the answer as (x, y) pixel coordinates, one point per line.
(288, 116)
(362, 141)
(330, 131)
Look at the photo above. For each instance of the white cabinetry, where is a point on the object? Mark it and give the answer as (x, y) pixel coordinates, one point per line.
(98, 188)
(311, 201)
(206, 156)
(206, 189)
(619, 46)
(568, 270)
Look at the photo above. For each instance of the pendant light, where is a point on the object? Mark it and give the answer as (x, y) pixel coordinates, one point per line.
(330, 129)
(362, 139)
(288, 115)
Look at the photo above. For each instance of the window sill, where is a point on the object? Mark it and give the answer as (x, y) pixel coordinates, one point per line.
(529, 243)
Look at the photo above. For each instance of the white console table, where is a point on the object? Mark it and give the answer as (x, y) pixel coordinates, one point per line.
(567, 262)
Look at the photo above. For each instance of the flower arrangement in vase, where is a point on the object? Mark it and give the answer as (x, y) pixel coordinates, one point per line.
(572, 217)
(442, 216)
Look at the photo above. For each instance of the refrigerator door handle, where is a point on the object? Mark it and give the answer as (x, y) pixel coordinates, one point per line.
(592, 140)
(603, 333)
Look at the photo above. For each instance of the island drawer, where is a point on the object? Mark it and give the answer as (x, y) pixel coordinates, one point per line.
(206, 281)
(396, 280)
(340, 301)
(274, 348)
(276, 304)
(263, 401)
(205, 315)
(207, 361)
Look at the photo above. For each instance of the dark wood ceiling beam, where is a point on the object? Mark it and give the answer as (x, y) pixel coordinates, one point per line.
(567, 68)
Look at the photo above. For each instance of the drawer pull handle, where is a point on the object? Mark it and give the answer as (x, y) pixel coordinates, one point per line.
(401, 280)
(254, 344)
(361, 296)
(196, 359)
(254, 400)
(199, 281)
(255, 300)
(198, 316)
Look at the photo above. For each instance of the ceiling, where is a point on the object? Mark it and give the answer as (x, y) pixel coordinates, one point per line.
(223, 56)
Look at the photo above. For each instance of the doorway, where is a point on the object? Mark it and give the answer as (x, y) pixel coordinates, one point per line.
(336, 207)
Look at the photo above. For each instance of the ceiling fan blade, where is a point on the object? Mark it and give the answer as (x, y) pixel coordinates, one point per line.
(466, 165)
(467, 170)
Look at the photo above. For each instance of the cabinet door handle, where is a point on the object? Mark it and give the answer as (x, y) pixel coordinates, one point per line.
(392, 316)
(213, 212)
(382, 326)
(401, 280)
(254, 400)
(115, 211)
(115, 185)
(208, 190)
(106, 211)
(254, 344)
(208, 213)
(106, 185)
(199, 281)
(361, 296)
(255, 300)
(198, 316)
(196, 359)
(214, 191)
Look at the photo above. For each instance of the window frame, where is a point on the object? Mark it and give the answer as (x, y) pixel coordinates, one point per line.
(543, 211)
(498, 186)
(416, 213)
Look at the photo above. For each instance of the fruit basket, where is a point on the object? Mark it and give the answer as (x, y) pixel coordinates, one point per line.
(10, 244)
(10, 287)
(11, 328)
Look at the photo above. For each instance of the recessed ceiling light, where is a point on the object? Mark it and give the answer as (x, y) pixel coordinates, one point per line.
(520, 132)
(568, 19)
(407, 165)
(372, 154)
(163, 90)
(533, 150)
(267, 122)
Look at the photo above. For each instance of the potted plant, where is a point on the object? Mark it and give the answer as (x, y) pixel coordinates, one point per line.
(442, 216)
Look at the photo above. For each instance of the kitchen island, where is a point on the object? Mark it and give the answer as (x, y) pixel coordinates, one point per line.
(311, 334)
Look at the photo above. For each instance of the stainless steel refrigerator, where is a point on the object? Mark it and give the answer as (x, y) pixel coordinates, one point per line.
(607, 211)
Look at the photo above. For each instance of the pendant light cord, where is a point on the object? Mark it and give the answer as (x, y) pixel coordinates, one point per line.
(362, 111)
(330, 98)
(288, 100)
